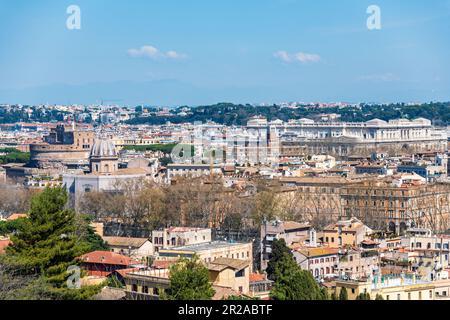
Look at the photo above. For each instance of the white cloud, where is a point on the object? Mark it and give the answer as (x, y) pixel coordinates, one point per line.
(301, 57)
(307, 57)
(151, 52)
(283, 55)
(175, 55)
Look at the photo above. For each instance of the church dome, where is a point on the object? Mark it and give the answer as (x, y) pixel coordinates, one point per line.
(103, 149)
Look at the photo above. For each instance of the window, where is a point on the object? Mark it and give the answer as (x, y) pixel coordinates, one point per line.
(240, 273)
(398, 297)
(409, 295)
(387, 297)
(353, 290)
(134, 287)
(431, 294)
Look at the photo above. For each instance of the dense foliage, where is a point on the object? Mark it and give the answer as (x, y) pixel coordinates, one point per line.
(279, 250)
(37, 114)
(291, 282)
(343, 294)
(189, 280)
(44, 246)
(12, 155)
(232, 114)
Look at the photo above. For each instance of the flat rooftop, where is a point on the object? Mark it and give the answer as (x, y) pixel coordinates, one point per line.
(206, 246)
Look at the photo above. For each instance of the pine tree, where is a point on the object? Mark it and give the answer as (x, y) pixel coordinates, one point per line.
(46, 245)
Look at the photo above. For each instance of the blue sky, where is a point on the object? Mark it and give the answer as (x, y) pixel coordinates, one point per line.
(171, 52)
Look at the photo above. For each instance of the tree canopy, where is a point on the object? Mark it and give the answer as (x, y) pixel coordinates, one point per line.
(279, 250)
(343, 294)
(44, 246)
(189, 280)
(291, 282)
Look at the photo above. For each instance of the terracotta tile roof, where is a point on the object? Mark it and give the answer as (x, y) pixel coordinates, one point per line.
(125, 241)
(317, 252)
(162, 264)
(291, 225)
(223, 292)
(220, 264)
(16, 216)
(107, 257)
(3, 244)
(256, 277)
(369, 242)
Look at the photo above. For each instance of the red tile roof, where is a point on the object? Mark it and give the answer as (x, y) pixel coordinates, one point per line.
(3, 244)
(162, 264)
(107, 257)
(255, 277)
(16, 216)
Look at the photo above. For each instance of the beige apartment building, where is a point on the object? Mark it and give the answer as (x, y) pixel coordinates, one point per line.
(383, 205)
(179, 236)
(227, 277)
(345, 233)
(390, 288)
(210, 251)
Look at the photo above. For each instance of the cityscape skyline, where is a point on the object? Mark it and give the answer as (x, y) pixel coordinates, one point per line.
(167, 53)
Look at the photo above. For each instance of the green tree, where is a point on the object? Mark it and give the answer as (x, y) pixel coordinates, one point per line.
(325, 294)
(343, 295)
(45, 246)
(86, 233)
(189, 280)
(9, 227)
(363, 296)
(379, 297)
(292, 283)
(279, 250)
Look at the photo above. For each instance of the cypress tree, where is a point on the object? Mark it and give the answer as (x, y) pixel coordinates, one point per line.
(279, 250)
(343, 295)
(293, 283)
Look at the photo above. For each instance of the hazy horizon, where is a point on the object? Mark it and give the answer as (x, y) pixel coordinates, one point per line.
(201, 52)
